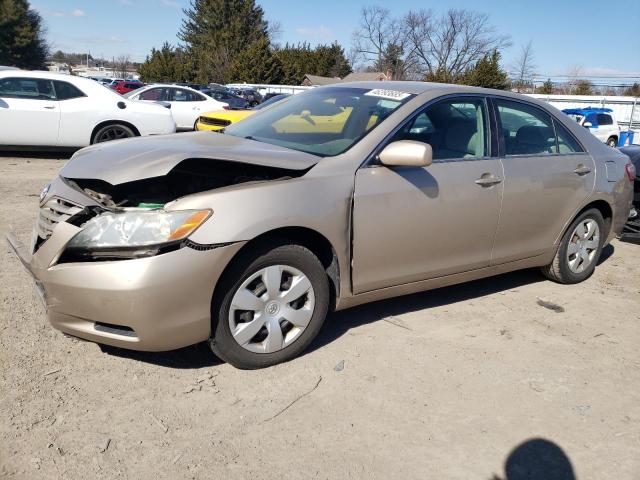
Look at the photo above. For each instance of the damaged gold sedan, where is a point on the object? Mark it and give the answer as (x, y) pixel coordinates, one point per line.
(248, 239)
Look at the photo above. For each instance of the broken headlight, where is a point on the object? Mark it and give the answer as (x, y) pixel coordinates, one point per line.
(133, 233)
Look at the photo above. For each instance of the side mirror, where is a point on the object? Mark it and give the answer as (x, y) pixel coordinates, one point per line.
(407, 153)
(587, 124)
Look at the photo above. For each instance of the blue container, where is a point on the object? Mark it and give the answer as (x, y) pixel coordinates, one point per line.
(624, 137)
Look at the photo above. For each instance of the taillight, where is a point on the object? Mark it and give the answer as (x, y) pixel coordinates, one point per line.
(631, 171)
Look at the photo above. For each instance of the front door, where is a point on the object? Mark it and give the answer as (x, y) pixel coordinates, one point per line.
(29, 112)
(412, 223)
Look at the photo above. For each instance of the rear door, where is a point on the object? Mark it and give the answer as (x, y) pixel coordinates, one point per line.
(185, 107)
(415, 223)
(547, 175)
(29, 112)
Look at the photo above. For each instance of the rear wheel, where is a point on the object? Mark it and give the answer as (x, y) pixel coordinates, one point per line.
(579, 250)
(112, 132)
(612, 142)
(273, 304)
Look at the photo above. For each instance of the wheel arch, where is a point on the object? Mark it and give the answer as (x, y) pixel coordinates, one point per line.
(317, 243)
(603, 206)
(113, 122)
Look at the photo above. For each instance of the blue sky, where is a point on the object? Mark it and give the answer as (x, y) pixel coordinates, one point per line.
(563, 32)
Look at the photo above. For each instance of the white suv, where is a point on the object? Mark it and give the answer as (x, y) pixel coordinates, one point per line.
(600, 121)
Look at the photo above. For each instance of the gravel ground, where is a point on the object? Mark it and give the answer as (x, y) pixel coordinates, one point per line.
(475, 381)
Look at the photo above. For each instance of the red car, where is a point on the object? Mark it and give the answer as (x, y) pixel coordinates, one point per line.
(125, 86)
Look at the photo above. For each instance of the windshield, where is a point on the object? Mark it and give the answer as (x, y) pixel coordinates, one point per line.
(271, 101)
(324, 122)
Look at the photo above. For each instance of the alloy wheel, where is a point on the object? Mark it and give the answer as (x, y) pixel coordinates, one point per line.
(271, 308)
(583, 245)
(112, 133)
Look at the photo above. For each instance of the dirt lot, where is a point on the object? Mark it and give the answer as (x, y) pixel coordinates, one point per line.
(443, 385)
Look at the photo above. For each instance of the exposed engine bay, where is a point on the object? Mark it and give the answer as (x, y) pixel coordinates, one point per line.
(188, 177)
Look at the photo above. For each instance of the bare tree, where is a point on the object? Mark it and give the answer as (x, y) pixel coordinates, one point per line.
(121, 66)
(573, 79)
(446, 46)
(381, 42)
(524, 68)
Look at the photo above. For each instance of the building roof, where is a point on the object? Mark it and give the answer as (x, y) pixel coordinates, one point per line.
(365, 77)
(320, 80)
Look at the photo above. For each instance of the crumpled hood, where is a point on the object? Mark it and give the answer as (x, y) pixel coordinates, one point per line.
(123, 161)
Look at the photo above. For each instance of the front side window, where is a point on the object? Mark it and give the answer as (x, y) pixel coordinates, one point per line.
(154, 94)
(66, 91)
(525, 130)
(27, 88)
(324, 122)
(455, 128)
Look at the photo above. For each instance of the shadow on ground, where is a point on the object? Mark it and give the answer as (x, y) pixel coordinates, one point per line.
(38, 154)
(339, 323)
(537, 459)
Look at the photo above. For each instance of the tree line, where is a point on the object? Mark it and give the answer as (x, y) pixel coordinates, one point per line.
(226, 41)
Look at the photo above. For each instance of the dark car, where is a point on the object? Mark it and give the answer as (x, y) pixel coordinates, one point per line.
(249, 94)
(223, 95)
(631, 232)
(633, 152)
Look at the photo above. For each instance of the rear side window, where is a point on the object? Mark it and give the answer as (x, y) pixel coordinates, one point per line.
(566, 142)
(27, 88)
(525, 130)
(604, 119)
(66, 91)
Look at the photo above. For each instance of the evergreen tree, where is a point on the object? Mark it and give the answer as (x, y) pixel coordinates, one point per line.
(583, 87)
(22, 42)
(256, 64)
(633, 90)
(299, 60)
(215, 32)
(168, 64)
(487, 73)
(547, 87)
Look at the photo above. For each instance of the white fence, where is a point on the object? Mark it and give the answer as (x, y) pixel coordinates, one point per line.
(623, 107)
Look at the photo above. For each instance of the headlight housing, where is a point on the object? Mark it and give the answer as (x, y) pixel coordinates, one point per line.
(133, 233)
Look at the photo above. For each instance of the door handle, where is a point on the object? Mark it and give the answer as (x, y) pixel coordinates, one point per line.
(49, 107)
(582, 170)
(488, 181)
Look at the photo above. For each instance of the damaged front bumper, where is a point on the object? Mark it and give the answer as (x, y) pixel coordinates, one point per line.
(154, 304)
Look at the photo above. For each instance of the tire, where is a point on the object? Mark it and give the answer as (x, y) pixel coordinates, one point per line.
(612, 142)
(114, 131)
(257, 343)
(577, 266)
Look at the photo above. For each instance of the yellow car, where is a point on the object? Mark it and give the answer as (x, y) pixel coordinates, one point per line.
(220, 119)
(331, 121)
(214, 121)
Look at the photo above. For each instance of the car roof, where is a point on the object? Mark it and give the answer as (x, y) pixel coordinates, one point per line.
(586, 110)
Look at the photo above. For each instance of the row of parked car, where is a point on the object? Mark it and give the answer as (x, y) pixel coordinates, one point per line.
(70, 111)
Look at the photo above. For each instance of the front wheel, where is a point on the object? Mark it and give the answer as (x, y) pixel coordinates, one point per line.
(612, 142)
(272, 305)
(579, 250)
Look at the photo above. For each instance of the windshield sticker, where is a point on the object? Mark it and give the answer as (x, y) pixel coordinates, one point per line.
(388, 94)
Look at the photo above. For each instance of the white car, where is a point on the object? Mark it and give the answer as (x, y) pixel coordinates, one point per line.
(186, 103)
(600, 121)
(57, 110)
